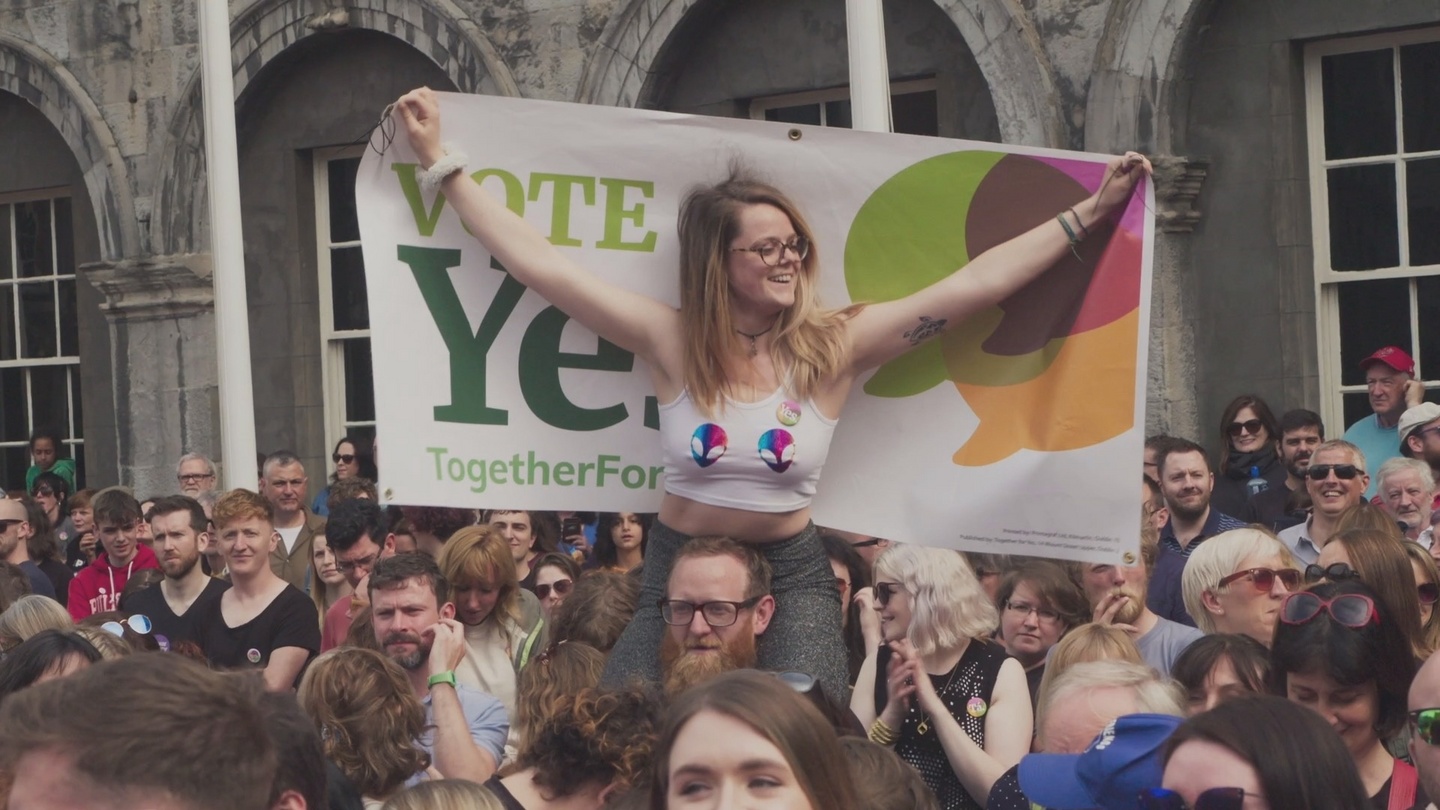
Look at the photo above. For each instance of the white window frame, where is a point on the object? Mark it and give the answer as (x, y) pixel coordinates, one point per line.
(332, 340)
(759, 106)
(1328, 280)
(74, 434)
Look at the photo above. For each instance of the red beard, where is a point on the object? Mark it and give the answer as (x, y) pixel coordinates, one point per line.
(684, 668)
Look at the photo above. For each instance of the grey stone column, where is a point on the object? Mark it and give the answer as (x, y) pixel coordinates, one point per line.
(1172, 404)
(161, 315)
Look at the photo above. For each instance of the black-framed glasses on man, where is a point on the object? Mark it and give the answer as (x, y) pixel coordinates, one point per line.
(717, 612)
(194, 478)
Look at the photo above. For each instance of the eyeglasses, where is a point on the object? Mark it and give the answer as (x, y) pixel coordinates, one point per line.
(871, 543)
(6, 524)
(343, 458)
(1216, 798)
(1352, 610)
(1345, 472)
(842, 585)
(194, 478)
(139, 623)
(885, 590)
(1025, 609)
(772, 251)
(1428, 592)
(1264, 578)
(1252, 426)
(717, 613)
(1335, 572)
(350, 565)
(1426, 723)
(560, 586)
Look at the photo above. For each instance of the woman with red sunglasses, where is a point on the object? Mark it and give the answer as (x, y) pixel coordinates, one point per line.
(1337, 652)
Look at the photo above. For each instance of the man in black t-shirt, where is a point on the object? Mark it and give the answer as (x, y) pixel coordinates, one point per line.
(179, 526)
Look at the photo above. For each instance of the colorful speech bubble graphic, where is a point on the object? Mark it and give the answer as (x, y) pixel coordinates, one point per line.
(1053, 366)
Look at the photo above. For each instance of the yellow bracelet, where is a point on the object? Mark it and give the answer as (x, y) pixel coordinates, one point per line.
(881, 733)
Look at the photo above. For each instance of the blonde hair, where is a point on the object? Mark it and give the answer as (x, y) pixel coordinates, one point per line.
(1219, 557)
(1088, 642)
(948, 606)
(1153, 694)
(29, 615)
(808, 345)
(444, 794)
(368, 718)
(1417, 554)
(109, 645)
(479, 555)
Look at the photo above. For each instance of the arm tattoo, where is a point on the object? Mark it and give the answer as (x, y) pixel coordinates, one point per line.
(928, 328)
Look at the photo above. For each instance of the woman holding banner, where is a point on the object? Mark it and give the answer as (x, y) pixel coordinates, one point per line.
(752, 371)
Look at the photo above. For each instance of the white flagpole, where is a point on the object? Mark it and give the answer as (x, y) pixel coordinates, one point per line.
(227, 249)
(869, 69)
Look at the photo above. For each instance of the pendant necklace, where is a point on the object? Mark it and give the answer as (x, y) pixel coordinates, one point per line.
(753, 349)
(923, 726)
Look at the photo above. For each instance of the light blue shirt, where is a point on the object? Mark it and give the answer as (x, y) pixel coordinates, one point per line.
(1298, 539)
(489, 722)
(1379, 444)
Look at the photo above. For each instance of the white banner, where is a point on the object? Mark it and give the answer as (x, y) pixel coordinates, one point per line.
(1019, 431)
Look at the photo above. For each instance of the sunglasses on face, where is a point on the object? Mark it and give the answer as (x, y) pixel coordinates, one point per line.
(1334, 572)
(1426, 723)
(6, 524)
(1352, 610)
(1345, 472)
(885, 590)
(842, 585)
(343, 458)
(1428, 592)
(1264, 578)
(560, 586)
(1216, 798)
(43, 491)
(1252, 426)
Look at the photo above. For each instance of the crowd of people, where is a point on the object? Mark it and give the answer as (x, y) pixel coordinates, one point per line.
(1269, 646)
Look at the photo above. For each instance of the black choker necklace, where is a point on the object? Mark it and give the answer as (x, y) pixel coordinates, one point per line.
(754, 337)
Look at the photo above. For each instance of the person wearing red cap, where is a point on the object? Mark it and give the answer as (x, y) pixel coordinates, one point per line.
(1389, 377)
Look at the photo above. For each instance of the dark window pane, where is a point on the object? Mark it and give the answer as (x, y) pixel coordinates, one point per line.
(7, 269)
(77, 452)
(76, 416)
(839, 114)
(1427, 299)
(37, 319)
(1372, 314)
(14, 410)
(1420, 95)
(1364, 233)
(347, 289)
(361, 432)
(915, 113)
(49, 396)
(69, 325)
(359, 382)
(800, 114)
(1357, 407)
(1422, 192)
(16, 461)
(64, 239)
(7, 323)
(1359, 93)
(32, 238)
(344, 226)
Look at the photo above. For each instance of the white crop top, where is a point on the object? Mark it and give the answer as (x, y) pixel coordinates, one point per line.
(761, 456)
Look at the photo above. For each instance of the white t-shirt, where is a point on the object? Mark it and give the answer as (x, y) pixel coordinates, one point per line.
(289, 536)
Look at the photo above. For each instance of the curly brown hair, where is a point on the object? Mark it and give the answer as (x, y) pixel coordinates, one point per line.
(594, 737)
(549, 680)
(368, 717)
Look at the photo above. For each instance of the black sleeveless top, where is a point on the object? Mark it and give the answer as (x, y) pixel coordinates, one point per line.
(967, 691)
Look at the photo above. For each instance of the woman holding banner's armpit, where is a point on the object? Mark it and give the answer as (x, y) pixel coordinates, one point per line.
(752, 371)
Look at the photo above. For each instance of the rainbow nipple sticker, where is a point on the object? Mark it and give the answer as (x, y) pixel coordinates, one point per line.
(788, 413)
(708, 444)
(777, 449)
(975, 707)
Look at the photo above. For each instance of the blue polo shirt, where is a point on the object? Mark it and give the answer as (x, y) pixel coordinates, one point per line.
(1166, 598)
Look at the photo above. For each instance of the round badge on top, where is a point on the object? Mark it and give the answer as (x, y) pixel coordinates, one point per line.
(975, 707)
(252, 655)
(788, 413)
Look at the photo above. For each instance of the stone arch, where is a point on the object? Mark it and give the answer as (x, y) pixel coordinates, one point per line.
(436, 28)
(40, 79)
(1003, 41)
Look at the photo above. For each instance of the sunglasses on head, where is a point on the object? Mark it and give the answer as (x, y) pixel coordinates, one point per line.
(343, 458)
(1251, 426)
(885, 590)
(1216, 798)
(561, 587)
(139, 623)
(1264, 578)
(1426, 723)
(1345, 472)
(1334, 572)
(1352, 610)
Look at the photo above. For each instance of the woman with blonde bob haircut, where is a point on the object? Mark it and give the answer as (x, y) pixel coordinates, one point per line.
(1234, 583)
(444, 794)
(949, 700)
(712, 732)
(1086, 643)
(368, 717)
(29, 615)
(751, 366)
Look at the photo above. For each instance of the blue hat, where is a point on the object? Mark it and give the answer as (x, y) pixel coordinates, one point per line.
(1109, 775)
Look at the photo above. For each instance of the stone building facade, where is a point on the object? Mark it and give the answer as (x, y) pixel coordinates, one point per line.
(1297, 178)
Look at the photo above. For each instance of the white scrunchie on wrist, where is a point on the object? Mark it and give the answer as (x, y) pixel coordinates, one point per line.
(454, 161)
